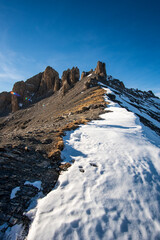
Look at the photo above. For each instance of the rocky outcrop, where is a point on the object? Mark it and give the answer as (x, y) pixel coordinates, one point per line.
(45, 84)
(119, 85)
(49, 82)
(101, 69)
(5, 102)
(33, 83)
(90, 82)
(37, 87)
(84, 74)
(69, 78)
(17, 100)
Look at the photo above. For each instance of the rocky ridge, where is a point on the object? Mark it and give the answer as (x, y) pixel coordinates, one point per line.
(31, 136)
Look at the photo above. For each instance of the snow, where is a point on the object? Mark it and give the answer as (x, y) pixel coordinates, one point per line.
(14, 233)
(36, 184)
(117, 196)
(89, 75)
(14, 191)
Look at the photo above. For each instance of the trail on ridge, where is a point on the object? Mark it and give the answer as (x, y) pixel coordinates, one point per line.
(112, 191)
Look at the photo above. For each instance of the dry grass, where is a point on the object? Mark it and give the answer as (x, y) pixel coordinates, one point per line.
(95, 98)
(60, 144)
(54, 154)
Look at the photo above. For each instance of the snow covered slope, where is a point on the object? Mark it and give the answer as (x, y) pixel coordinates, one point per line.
(112, 191)
(144, 104)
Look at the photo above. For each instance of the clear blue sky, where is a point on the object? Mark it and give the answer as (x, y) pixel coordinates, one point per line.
(125, 34)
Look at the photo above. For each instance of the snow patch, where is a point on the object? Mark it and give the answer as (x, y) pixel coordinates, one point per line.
(14, 191)
(89, 75)
(14, 233)
(36, 184)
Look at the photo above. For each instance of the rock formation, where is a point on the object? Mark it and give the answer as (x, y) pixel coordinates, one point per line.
(117, 84)
(49, 81)
(17, 100)
(101, 69)
(5, 102)
(69, 78)
(84, 74)
(37, 87)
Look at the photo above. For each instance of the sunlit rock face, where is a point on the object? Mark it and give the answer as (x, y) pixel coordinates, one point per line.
(35, 88)
(101, 69)
(69, 78)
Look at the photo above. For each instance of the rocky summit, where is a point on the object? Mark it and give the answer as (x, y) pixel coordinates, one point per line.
(35, 116)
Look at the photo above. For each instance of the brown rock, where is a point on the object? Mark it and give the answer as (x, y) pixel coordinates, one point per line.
(38, 86)
(33, 83)
(5, 101)
(84, 74)
(101, 69)
(71, 76)
(18, 88)
(50, 80)
(65, 87)
(91, 82)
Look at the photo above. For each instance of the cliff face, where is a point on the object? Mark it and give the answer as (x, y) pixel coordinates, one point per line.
(43, 85)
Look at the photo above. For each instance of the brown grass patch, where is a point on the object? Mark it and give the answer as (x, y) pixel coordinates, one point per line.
(95, 98)
(55, 153)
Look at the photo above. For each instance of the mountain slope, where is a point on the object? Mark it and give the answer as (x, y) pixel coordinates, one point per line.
(111, 191)
(31, 141)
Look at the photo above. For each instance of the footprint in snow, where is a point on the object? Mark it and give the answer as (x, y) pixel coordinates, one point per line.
(81, 169)
(93, 165)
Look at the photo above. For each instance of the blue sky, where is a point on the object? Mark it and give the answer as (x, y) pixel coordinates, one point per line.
(124, 34)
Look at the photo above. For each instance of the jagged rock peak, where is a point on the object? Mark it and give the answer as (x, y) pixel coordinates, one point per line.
(38, 86)
(50, 81)
(69, 78)
(71, 75)
(101, 69)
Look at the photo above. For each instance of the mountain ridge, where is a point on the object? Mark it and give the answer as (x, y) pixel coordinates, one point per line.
(31, 138)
